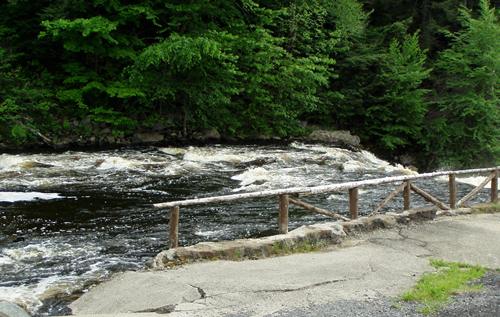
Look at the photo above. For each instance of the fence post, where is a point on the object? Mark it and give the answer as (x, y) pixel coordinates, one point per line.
(494, 187)
(283, 214)
(452, 184)
(353, 202)
(174, 227)
(406, 195)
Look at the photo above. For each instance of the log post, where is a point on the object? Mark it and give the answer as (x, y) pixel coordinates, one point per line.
(174, 227)
(406, 195)
(452, 184)
(353, 202)
(494, 187)
(283, 214)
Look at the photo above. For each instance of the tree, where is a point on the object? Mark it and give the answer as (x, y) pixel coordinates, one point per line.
(465, 121)
(397, 117)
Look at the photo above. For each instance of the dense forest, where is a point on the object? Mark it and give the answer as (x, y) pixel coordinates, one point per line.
(418, 77)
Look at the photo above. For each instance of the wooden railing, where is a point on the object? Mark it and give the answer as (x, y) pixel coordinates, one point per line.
(285, 198)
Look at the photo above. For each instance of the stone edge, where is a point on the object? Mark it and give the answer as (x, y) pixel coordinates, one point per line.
(303, 239)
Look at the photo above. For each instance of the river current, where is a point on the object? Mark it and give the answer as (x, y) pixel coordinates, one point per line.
(70, 220)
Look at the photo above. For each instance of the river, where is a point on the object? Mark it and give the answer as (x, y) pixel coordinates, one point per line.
(70, 220)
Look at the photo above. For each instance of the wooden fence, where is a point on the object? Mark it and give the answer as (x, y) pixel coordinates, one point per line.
(289, 196)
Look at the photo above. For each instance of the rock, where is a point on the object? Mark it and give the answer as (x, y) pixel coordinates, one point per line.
(407, 160)
(334, 137)
(34, 164)
(98, 162)
(64, 142)
(149, 137)
(109, 139)
(324, 233)
(207, 135)
(11, 310)
(105, 131)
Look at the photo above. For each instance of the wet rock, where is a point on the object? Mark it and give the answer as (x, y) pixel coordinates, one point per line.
(99, 162)
(334, 137)
(34, 164)
(149, 137)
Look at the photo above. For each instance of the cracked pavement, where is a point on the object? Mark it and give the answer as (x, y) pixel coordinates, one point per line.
(367, 267)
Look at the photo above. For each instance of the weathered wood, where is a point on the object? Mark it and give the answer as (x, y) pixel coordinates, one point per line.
(283, 214)
(353, 202)
(174, 227)
(407, 195)
(429, 197)
(494, 187)
(314, 190)
(317, 210)
(452, 185)
(475, 191)
(391, 196)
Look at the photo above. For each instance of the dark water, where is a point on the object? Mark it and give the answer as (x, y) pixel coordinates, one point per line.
(93, 215)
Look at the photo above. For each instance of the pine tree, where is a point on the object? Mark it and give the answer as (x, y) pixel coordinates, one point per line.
(465, 122)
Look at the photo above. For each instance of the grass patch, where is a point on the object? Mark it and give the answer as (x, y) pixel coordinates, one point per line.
(433, 290)
(306, 246)
(486, 208)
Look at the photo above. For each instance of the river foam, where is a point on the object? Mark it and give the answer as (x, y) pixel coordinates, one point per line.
(11, 197)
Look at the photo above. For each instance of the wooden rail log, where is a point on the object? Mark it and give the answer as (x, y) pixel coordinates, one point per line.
(317, 210)
(476, 190)
(407, 195)
(174, 227)
(353, 202)
(314, 190)
(494, 187)
(283, 214)
(429, 197)
(391, 196)
(452, 185)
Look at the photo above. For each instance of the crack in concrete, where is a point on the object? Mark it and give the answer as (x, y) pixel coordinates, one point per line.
(423, 244)
(286, 290)
(200, 290)
(167, 309)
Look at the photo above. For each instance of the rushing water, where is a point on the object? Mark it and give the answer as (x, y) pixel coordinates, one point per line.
(69, 220)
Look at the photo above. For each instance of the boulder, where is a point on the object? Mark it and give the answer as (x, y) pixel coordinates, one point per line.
(334, 137)
(207, 135)
(149, 137)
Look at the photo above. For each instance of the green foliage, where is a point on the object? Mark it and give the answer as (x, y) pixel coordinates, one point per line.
(466, 110)
(252, 68)
(194, 76)
(399, 116)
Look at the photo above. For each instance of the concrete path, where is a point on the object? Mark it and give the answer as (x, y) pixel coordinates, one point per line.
(368, 267)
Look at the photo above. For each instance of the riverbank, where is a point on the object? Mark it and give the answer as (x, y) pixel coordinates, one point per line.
(366, 267)
(104, 138)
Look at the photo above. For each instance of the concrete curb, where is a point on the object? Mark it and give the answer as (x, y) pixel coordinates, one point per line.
(8, 309)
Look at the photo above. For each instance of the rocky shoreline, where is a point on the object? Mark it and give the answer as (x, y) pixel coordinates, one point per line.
(105, 139)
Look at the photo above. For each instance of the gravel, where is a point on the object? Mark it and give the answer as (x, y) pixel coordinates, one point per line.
(484, 303)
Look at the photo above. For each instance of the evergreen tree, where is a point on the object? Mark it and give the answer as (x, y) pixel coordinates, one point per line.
(465, 121)
(397, 117)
